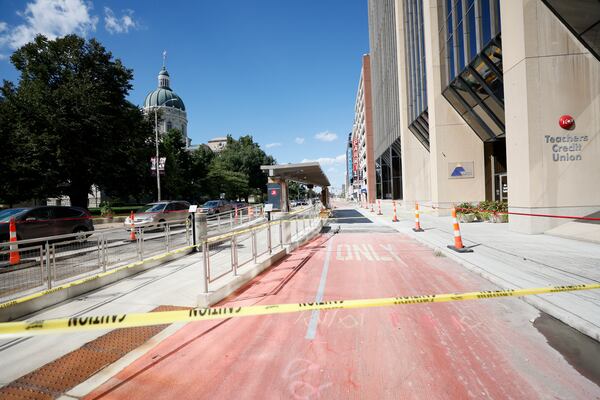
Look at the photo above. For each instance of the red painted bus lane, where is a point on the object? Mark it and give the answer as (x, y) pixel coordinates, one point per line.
(473, 349)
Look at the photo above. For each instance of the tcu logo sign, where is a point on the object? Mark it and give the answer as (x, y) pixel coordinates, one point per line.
(566, 122)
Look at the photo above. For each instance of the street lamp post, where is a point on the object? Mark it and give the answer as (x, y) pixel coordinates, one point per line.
(157, 160)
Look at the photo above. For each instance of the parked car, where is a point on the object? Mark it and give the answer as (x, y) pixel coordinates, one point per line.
(215, 206)
(239, 204)
(45, 221)
(156, 215)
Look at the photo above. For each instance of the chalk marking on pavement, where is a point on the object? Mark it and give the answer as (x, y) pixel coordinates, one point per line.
(311, 332)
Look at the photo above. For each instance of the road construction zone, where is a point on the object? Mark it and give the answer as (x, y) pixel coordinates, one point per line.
(86, 323)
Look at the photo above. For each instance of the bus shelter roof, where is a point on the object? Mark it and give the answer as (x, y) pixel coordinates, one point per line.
(309, 173)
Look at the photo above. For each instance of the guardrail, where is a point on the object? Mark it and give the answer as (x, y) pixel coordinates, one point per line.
(47, 262)
(228, 255)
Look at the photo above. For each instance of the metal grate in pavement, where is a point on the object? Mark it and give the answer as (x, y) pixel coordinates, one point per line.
(57, 377)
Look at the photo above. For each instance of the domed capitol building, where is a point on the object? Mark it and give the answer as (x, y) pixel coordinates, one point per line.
(170, 106)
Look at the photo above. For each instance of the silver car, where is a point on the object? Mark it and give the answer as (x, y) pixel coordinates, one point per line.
(156, 215)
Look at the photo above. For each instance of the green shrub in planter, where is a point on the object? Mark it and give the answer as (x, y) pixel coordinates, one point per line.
(466, 212)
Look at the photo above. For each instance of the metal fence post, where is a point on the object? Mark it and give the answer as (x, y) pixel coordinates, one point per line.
(230, 220)
(167, 237)
(205, 267)
(280, 234)
(254, 249)
(140, 244)
(234, 255)
(269, 238)
(104, 253)
(48, 270)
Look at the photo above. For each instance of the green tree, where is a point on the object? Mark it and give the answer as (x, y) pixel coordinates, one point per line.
(71, 123)
(246, 156)
(176, 183)
(296, 190)
(201, 159)
(223, 180)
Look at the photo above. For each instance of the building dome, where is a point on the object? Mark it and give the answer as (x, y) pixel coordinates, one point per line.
(163, 96)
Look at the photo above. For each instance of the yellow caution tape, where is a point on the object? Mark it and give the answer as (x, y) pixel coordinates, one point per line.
(76, 324)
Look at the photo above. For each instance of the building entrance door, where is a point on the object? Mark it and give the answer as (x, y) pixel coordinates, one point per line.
(501, 187)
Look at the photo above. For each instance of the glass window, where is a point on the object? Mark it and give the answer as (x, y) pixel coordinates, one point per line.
(67, 212)
(486, 24)
(472, 30)
(6, 215)
(453, 99)
(474, 84)
(169, 125)
(463, 92)
(496, 108)
(494, 54)
(487, 120)
(479, 129)
(42, 213)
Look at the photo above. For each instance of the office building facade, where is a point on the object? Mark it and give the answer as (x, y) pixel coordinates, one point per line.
(498, 100)
(361, 139)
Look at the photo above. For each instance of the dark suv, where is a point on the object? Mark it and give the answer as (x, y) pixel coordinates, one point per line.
(45, 221)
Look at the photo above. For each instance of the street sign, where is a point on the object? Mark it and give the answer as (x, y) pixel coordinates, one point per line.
(161, 163)
(193, 208)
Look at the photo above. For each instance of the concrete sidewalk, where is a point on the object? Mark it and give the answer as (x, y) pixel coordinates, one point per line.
(514, 260)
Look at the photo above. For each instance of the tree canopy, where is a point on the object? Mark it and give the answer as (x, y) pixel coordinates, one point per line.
(69, 123)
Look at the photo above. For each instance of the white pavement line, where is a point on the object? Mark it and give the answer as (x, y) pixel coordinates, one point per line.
(311, 332)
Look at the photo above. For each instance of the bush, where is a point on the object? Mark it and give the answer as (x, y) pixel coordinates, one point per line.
(108, 210)
(465, 208)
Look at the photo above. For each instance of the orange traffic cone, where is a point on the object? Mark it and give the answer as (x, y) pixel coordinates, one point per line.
(417, 227)
(14, 257)
(251, 211)
(395, 218)
(458, 244)
(379, 207)
(132, 236)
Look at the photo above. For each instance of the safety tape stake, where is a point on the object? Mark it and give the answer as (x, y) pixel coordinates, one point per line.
(75, 324)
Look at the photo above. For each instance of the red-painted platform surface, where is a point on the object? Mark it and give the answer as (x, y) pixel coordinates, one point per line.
(476, 349)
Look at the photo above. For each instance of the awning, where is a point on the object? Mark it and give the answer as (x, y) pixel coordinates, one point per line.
(306, 173)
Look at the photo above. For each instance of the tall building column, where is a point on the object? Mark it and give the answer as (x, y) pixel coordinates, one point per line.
(452, 142)
(549, 73)
(416, 185)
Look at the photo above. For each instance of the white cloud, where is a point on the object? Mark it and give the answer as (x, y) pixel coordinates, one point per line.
(270, 145)
(114, 24)
(326, 136)
(327, 161)
(299, 140)
(51, 18)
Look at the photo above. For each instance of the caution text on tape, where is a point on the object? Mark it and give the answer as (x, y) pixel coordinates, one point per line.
(75, 324)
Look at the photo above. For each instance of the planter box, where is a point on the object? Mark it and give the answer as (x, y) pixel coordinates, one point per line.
(499, 218)
(467, 218)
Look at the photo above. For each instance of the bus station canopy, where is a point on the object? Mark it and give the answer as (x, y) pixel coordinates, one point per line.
(307, 173)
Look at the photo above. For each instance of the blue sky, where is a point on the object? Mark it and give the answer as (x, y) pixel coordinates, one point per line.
(285, 72)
